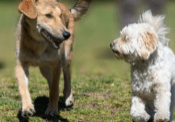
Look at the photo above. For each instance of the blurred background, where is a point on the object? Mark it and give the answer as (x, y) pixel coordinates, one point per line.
(93, 33)
(95, 70)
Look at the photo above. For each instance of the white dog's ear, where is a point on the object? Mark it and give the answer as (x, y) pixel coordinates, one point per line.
(149, 45)
(28, 8)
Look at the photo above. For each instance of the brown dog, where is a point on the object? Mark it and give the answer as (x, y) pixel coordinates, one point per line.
(44, 38)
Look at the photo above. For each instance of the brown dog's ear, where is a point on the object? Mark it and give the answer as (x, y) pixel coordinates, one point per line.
(150, 42)
(28, 8)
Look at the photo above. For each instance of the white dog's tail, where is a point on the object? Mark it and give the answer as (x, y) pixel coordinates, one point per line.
(80, 8)
(158, 23)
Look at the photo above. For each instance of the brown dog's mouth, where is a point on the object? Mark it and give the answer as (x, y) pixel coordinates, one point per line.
(53, 41)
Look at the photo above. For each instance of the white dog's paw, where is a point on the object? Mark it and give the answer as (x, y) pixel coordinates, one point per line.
(161, 118)
(140, 117)
(28, 111)
(52, 111)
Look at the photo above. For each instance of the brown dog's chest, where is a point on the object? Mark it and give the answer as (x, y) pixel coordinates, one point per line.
(38, 54)
(43, 59)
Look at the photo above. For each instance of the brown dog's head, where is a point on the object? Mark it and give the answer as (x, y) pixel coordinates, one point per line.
(49, 19)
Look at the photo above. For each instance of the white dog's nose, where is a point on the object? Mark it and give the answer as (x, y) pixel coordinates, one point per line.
(111, 45)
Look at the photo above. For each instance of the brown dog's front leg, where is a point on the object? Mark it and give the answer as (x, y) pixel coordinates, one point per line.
(68, 95)
(54, 91)
(68, 92)
(22, 77)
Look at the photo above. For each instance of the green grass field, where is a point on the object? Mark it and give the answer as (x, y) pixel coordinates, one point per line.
(100, 82)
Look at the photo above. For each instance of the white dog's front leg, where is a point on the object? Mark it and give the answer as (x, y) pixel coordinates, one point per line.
(138, 112)
(172, 103)
(162, 105)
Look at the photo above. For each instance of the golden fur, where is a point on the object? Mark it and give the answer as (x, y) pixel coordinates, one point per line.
(52, 19)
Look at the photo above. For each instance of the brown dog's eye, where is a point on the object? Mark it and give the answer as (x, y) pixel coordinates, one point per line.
(61, 15)
(49, 16)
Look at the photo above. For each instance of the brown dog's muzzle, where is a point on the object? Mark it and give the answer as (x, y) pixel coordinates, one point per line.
(53, 41)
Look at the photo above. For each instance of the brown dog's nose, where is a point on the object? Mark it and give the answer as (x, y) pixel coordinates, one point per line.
(111, 45)
(66, 34)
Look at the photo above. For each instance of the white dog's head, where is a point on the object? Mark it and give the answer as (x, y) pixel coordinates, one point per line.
(139, 41)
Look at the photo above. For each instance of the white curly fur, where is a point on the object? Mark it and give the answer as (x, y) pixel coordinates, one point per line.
(145, 47)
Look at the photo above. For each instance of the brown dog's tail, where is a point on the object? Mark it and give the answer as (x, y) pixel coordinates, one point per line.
(80, 8)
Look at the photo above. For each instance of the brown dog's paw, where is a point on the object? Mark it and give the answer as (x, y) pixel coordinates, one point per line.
(52, 111)
(28, 112)
(68, 99)
(69, 102)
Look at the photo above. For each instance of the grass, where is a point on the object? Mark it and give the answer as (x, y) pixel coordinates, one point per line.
(101, 83)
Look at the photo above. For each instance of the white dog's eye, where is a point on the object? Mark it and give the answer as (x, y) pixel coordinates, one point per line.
(126, 38)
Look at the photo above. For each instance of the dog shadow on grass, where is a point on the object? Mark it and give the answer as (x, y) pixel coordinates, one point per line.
(2, 65)
(41, 104)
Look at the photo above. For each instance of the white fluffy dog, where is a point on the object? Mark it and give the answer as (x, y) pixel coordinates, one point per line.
(145, 47)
